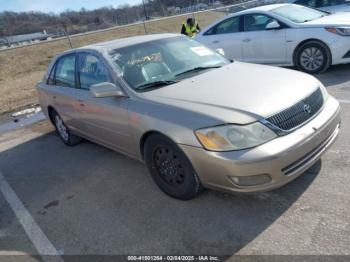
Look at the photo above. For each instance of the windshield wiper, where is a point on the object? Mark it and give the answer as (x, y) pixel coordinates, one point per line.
(195, 69)
(156, 84)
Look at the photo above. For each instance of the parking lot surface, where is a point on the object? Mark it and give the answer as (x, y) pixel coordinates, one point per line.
(90, 200)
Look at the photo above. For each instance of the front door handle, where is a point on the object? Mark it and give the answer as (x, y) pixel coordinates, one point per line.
(216, 42)
(247, 40)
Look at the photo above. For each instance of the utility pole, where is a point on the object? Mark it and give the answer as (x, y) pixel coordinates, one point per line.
(2, 31)
(145, 14)
(193, 5)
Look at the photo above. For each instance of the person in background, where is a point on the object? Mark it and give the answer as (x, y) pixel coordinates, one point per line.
(190, 27)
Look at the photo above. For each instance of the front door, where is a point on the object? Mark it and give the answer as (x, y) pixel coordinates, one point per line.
(227, 36)
(105, 119)
(260, 45)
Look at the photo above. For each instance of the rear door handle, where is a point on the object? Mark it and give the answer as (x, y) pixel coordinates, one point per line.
(216, 42)
(81, 102)
(247, 40)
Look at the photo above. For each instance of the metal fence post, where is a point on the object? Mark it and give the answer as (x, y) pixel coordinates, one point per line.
(68, 37)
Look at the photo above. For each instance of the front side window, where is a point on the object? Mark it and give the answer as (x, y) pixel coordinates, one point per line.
(256, 22)
(298, 14)
(65, 71)
(164, 61)
(91, 71)
(228, 26)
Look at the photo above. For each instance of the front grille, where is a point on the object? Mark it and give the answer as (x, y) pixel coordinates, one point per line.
(299, 113)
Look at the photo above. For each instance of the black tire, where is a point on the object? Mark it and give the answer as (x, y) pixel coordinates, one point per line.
(68, 138)
(313, 57)
(170, 168)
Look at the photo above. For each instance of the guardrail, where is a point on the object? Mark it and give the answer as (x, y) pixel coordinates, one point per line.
(225, 9)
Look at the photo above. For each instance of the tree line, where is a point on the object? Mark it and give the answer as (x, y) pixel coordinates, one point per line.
(14, 23)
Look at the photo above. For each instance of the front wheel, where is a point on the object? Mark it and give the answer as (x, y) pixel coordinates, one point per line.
(313, 57)
(170, 168)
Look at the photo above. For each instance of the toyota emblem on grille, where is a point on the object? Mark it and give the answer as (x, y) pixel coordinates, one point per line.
(307, 108)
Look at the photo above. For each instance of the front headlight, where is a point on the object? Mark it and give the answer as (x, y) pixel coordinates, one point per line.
(343, 30)
(234, 137)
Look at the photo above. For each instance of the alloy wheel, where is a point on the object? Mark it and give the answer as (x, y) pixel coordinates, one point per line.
(61, 128)
(312, 58)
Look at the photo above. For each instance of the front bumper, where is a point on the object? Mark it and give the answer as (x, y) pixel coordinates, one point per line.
(283, 159)
(340, 49)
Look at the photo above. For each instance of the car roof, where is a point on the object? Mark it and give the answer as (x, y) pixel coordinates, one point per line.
(123, 42)
(264, 8)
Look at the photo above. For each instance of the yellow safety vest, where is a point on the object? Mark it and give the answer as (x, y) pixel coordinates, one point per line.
(191, 31)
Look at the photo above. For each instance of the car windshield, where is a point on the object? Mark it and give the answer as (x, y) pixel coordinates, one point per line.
(164, 62)
(299, 14)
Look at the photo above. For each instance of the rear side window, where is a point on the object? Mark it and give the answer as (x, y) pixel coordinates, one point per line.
(51, 79)
(91, 71)
(231, 25)
(65, 71)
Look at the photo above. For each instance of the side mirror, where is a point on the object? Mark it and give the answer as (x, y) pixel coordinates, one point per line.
(106, 89)
(274, 25)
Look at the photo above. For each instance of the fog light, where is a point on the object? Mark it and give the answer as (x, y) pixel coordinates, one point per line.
(251, 180)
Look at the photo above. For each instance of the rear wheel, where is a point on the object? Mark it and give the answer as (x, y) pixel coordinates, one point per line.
(63, 132)
(170, 168)
(313, 57)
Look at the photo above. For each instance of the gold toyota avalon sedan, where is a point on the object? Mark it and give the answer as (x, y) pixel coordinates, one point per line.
(195, 118)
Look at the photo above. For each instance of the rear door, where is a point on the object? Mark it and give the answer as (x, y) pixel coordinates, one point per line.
(260, 45)
(105, 119)
(225, 35)
(62, 86)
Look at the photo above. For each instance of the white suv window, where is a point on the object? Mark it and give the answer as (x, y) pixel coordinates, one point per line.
(332, 2)
(228, 26)
(311, 3)
(256, 22)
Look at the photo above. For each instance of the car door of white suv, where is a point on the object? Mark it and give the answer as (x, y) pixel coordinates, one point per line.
(225, 35)
(262, 45)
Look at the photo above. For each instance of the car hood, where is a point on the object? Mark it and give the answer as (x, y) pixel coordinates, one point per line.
(331, 20)
(238, 93)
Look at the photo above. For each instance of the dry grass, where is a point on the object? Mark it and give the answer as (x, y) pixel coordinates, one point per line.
(22, 68)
